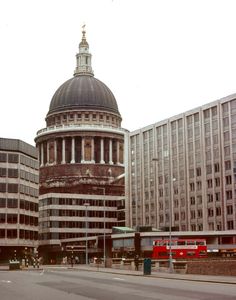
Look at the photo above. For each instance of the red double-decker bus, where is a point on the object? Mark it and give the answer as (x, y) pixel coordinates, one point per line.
(180, 248)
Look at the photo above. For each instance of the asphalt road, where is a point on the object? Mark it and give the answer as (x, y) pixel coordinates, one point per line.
(83, 285)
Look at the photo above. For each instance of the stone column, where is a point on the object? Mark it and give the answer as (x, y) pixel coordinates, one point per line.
(102, 152)
(72, 151)
(42, 156)
(110, 152)
(55, 152)
(118, 152)
(82, 150)
(92, 150)
(48, 158)
(63, 151)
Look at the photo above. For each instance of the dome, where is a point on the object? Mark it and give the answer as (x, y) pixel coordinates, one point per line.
(83, 92)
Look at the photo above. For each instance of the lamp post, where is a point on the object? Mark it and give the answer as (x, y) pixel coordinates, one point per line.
(170, 227)
(72, 256)
(86, 233)
(104, 223)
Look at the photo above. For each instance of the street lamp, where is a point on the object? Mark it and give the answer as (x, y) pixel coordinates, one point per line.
(86, 233)
(104, 223)
(72, 256)
(170, 228)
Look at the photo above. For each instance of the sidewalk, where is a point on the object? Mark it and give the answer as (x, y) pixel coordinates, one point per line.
(154, 274)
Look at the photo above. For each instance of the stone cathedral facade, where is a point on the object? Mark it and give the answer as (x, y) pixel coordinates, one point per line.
(81, 157)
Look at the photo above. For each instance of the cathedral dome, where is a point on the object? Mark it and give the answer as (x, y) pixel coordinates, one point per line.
(83, 92)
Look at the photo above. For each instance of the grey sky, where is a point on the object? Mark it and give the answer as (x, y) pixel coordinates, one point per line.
(160, 58)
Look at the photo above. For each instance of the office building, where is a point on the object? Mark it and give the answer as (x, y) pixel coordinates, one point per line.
(182, 170)
(18, 199)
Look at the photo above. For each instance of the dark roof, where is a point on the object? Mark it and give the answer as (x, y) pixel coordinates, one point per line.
(18, 146)
(83, 92)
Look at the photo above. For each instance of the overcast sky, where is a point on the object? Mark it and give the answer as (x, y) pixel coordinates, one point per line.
(159, 58)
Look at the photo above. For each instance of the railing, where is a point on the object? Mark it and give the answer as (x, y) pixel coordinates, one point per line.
(80, 127)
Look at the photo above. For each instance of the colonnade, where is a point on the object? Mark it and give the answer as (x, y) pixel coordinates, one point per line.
(80, 149)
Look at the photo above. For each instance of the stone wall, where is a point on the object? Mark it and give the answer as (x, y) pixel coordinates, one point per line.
(212, 267)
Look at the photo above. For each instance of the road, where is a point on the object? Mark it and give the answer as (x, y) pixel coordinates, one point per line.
(69, 284)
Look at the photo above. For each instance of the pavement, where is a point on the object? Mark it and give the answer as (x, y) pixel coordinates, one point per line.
(154, 273)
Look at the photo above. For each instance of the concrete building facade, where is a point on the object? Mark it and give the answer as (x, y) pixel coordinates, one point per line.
(182, 170)
(81, 154)
(18, 199)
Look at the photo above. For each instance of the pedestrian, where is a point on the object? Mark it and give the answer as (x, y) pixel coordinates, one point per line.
(136, 262)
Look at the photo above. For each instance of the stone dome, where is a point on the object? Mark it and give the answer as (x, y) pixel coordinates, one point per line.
(83, 92)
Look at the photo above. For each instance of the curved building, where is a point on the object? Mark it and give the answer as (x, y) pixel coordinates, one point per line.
(81, 154)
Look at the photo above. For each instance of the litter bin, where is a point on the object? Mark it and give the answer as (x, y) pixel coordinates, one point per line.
(147, 266)
(14, 265)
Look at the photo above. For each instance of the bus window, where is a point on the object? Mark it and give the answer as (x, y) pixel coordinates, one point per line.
(190, 242)
(181, 243)
(200, 243)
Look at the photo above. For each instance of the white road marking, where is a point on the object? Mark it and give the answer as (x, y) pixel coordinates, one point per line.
(6, 281)
(117, 278)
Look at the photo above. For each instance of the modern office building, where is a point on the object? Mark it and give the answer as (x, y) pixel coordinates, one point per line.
(81, 153)
(18, 199)
(182, 171)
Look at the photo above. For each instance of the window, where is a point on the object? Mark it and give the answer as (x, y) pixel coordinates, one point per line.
(208, 169)
(209, 183)
(11, 218)
(2, 202)
(198, 171)
(13, 158)
(218, 211)
(192, 186)
(191, 173)
(192, 200)
(3, 187)
(206, 114)
(228, 165)
(12, 188)
(2, 218)
(217, 196)
(227, 150)
(209, 198)
(226, 136)
(228, 179)
(214, 111)
(228, 195)
(230, 225)
(225, 107)
(12, 203)
(199, 185)
(217, 167)
(217, 181)
(199, 199)
(3, 172)
(3, 157)
(207, 127)
(229, 210)
(13, 173)
(11, 233)
(199, 213)
(210, 212)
